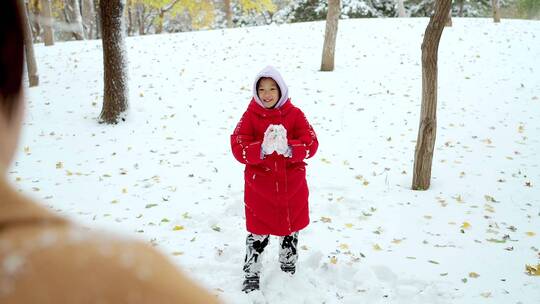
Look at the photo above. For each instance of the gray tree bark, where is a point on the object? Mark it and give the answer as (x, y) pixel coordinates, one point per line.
(34, 14)
(329, 47)
(31, 65)
(48, 36)
(425, 143)
(88, 17)
(98, 19)
(401, 9)
(74, 18)
(130, 17)
(140, 9)
(115, 95)
(449, 20)
(496, 11)
(228, 13)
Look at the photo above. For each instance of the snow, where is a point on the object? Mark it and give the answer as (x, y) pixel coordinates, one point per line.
(167, 176)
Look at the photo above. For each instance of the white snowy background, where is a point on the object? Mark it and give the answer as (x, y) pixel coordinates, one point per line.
(166, 175)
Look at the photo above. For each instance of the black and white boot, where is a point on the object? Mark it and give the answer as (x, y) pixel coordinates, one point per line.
(255, 245)
(288, 255)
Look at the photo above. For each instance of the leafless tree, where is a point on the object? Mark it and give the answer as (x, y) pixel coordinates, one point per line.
(425, 143)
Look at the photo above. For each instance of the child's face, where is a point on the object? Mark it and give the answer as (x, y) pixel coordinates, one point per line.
(268, 92)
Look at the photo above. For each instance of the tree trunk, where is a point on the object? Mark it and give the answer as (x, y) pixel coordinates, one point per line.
(115, 95)
(98, 19)
(401, 9)
(140, 18)
(47, 20)
(88, 17)
(460, 7)
(425, 143)
(449, 19)
(130, 17)
(74, 19)
(329, 47)
(496, 11)
(228, 13)
(159, 27)
(34, 14)
(31, 65)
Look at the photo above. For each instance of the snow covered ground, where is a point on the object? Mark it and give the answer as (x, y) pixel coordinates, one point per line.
(167, 175)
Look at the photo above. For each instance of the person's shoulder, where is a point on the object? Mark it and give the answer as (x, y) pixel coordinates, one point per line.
(68, 262)
(296, 110)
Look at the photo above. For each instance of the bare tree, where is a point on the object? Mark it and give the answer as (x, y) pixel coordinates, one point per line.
(329, 47)
(98, 19)
(161, 15)
(47, 21)
(88, 17)
(31, 64)
(130, 17)
(115, 95)
(142, 15)
(496, 11)
(401, 9)
(34, 14)
(460, 7)
(73, 17)
(425, 143)
(228, 13)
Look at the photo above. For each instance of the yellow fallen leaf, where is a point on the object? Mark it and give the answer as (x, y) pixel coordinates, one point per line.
(333, 260)
(304, 247)
(473, 275)
(344, 246)
(365, 183)
(124, 190)
(177, 253)
(489, 198)
(396, 241)
(530, 233)
(465, 225)
(486, 294)
(533, 270)
(326, 219)
(178, 227)
(376, 247)
(59, 165)
(349, 225)
(427, 217)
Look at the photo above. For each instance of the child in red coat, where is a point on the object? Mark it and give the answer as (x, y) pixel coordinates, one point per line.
(272, 139)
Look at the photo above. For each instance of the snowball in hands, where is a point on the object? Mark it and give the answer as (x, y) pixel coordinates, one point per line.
(281, 143)
(275, 139)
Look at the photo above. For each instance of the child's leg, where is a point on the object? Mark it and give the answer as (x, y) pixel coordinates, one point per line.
(288, 255)
(255, 245)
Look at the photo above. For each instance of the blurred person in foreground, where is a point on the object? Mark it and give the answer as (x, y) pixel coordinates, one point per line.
(45, 258)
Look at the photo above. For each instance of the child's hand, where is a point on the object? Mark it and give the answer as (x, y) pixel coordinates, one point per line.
(269, 141)
(282, 146)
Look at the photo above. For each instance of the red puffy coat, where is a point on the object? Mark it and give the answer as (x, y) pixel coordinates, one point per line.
(276, 191)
